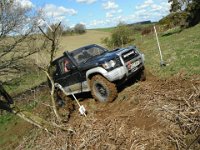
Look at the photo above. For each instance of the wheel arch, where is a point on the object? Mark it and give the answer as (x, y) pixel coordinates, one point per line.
(95, 71)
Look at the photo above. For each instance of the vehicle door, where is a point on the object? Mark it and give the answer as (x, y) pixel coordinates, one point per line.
(70, 77)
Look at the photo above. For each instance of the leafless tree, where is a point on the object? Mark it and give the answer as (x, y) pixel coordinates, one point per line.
(53, 35)
(18, 37)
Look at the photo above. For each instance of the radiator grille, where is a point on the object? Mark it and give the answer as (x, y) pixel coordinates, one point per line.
(129, 55)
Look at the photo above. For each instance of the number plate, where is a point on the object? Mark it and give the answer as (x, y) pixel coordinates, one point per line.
(135, 64)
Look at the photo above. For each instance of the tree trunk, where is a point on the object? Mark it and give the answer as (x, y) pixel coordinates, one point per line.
(7, 97)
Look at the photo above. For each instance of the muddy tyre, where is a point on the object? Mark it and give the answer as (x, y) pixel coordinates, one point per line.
(64, 105)
(142, 75)
(103, 90)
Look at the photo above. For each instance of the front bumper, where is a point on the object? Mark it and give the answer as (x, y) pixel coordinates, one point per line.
(116, 74)
(125, 71)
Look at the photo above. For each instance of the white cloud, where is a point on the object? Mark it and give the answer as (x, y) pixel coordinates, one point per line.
(24, 3)
(119, 11)
(150, 10)
(146, 4)
(58, 11)
(113, 21)
(83, 23)
(95, 23)
(156, 7)
(55, 13)
(113, 13)
(110, 5)
(109, 15)
(86, 1)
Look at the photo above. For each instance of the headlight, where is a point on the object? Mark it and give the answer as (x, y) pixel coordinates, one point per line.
(109, 64)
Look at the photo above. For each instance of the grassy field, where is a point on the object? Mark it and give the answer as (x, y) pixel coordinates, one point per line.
(76, 41)
(181, 52)
(104, 29)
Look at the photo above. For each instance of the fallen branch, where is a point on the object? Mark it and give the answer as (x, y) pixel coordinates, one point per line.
(39, 122)
(52, 96)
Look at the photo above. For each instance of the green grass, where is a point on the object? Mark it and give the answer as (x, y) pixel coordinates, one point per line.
(181, 52)
(7, 121)
(110, 29)
(13, 128)
(26, 82)
(180, 48)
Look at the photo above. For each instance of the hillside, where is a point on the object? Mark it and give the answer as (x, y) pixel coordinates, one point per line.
(181, 51)
(160, 113)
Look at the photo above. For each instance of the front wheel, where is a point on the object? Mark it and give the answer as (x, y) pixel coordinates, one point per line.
(103, 90)
(142, 75)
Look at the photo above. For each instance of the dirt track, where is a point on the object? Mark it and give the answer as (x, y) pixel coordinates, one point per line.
(155, 114)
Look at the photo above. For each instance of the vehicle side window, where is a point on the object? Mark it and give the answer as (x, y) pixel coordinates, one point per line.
(53, 70)
(64, 65)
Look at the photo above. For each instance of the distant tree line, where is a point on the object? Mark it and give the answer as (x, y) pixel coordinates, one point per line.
(120, 36)
(66, 30)
(184, 13)
(77, 29)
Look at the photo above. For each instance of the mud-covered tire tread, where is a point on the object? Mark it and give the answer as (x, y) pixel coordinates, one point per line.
(111, 86)
(67, 108)
(142, 75)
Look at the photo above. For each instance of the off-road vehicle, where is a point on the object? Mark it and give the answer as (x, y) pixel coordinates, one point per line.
(96, 69)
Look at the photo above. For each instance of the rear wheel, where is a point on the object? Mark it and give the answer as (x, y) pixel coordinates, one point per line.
(64, 105)
(102, 89)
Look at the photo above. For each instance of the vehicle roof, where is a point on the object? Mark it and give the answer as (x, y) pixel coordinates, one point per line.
(90, 45)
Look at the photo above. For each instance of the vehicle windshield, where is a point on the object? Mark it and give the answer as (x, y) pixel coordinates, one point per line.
(84, 54)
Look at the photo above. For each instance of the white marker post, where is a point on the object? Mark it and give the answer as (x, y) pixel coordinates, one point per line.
(161, 57)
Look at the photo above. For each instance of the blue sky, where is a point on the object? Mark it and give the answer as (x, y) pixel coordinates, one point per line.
(100, 13)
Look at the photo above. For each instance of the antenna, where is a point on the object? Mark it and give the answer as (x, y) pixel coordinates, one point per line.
(47, 25)
(42, 21)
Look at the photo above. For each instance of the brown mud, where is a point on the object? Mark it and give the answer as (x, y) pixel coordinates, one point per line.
(143, 116)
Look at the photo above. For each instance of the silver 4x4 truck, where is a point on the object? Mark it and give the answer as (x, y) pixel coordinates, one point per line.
(94, 68)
